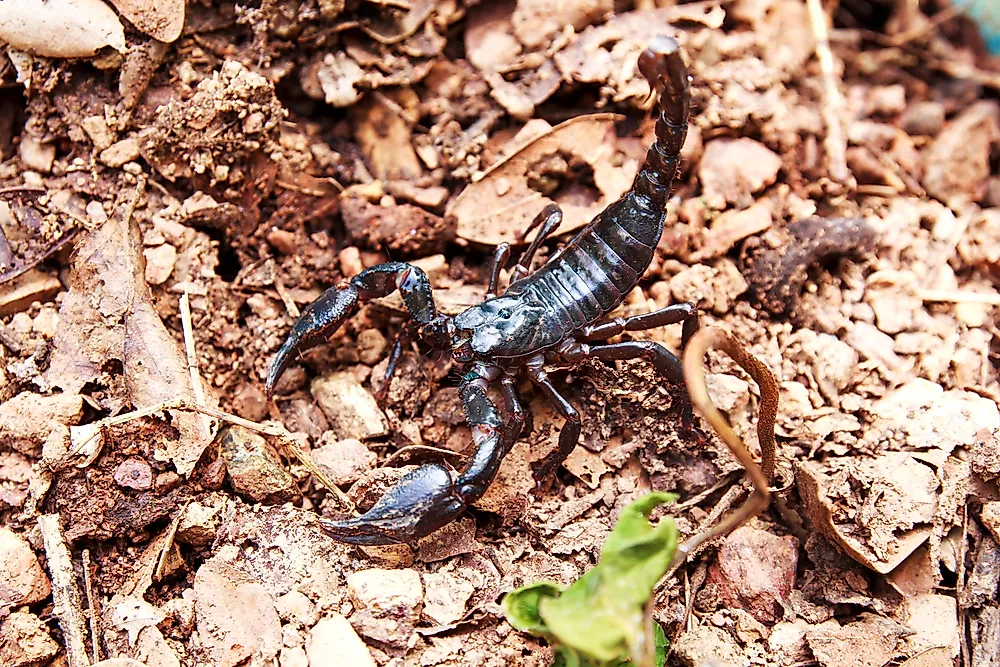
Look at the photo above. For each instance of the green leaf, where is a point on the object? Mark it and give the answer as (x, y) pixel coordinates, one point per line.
(599, 620)
(520, 606)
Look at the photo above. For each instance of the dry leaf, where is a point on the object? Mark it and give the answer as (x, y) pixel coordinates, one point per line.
(502, 203)
(877, 510)
(160, 19)
(133, 614)
(108, 316)
(60, 28)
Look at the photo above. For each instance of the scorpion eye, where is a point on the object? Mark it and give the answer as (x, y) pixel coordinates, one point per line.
(504, 313)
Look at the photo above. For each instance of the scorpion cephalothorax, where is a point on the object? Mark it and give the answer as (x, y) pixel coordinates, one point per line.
(554, 315)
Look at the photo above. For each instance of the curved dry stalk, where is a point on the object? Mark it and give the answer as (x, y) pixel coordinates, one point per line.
(760, 475)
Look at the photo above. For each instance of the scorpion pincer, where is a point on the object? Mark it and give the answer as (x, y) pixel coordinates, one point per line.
(555, 315)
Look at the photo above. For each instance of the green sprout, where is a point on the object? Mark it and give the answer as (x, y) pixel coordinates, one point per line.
(601, 619)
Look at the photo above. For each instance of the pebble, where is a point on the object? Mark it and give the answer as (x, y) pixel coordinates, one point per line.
(344, 461)
(27, 419)
(166, 481)
(923, 119)
(282, 240)
(200, 522)
(160, 262)
(332, 641)
(385, 592)
(351, 409)
(36, 155)
(350, 262)
(446, 597)
(732, 169)
(371, 346)
(25, 641)
(294, 656)
(254, 468)
(295, 607)
(22, 580)
(236, 616)
(755, 571)
(249, 402)
(120, 152)
(134, 474)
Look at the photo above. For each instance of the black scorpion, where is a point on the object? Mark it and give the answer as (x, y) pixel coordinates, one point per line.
(546, 317)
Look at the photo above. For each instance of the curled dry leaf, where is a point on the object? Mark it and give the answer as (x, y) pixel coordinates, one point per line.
(160, 19)
(877, 511)
(60, 28)
(108, 316)
(502, 203)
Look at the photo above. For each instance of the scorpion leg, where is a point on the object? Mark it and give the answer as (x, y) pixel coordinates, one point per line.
(338, 303)
(678, 312)
(514, 409)
(395, 354)
(432, 496)
(569, 436)
(663, 360)
(549, 218)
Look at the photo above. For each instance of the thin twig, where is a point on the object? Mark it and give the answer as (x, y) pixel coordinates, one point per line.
(276, 431)
(833, 101)
(192, 359)
(759, 474)
(65, 595)
(92, 610)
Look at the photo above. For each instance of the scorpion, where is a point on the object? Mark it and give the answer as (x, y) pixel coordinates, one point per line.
(554, 315)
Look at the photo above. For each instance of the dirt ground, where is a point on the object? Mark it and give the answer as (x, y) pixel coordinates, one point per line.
(176, 186)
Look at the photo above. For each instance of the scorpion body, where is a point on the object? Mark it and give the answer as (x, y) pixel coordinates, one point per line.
(551, 316)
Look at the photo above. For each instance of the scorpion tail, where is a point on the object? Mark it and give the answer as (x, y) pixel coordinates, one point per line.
(432, 496)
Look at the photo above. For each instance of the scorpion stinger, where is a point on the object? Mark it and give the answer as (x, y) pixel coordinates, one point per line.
(557, 314)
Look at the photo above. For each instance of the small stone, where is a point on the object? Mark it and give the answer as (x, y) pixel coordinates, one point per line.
(22, 580)
(731, 170)
(33, 285)
(867, 642)
(351, 409)
(990, 517)
(344, 461)
(923, 119)
(709, 288)
(371, 346)
(787, 643)
(386, 592)
(886, 100)
(25, 641)
(294, 656)
(236, 617)
(333, 641)
(166, 481)
(958, 161)
(250, 403)
(134, 474)
(199, 524)
(295, 607)
(36, 155)
(121, 152)
(27, 419)
(707, 645)
(214, 475)
(254, 469)
(446, 597)
(46, 322)
(98, 131)
(350, 262)
(755, 571)
(282, 240)
(453, 539)
(160, 262)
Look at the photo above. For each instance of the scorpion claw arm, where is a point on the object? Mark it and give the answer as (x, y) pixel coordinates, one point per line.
(327, 313)
(319, 318)
(432, 496)
(423, 501)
